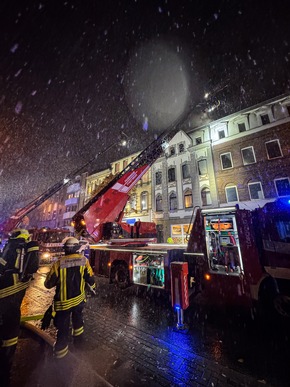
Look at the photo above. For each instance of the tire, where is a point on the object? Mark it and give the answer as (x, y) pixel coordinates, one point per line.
(121, 276)
(281, 305)
(273, 304)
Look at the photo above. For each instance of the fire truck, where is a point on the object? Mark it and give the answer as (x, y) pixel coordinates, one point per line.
(235, 256)
(50, 242)
(242, 257)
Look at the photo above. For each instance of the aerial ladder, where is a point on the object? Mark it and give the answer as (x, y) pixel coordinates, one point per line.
(16, 219)
(108, 204)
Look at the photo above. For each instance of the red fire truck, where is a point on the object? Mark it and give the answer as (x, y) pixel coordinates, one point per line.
(242, 257)
(50, 242)
(235, 257)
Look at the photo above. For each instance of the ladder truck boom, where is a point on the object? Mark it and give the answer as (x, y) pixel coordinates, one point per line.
(108, 204)
(15, 220)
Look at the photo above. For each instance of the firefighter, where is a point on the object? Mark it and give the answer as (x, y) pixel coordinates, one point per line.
(69, 274)
(18, 263)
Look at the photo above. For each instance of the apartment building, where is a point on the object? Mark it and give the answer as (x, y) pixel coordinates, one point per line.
(251, 152)
(240, 159)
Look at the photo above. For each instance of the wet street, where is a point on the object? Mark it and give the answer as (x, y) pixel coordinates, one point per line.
(222, 338)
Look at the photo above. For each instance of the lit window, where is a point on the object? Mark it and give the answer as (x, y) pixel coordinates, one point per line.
(117, 167)
(265, 119)
(173, 201)
(159, 203)
(185, 171)
(171, 174)
(206, 197)
(256, 191)
(158, 178)
(232, 194)
(248, 155)
(282, 186)
(273, 149)
(144, 200)
(188, 199)
(202, 167)
(226, 160)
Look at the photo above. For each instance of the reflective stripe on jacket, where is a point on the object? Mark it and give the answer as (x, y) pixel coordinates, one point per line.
(69, 274)
(16, 258)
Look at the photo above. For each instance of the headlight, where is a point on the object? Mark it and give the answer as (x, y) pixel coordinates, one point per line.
(45, 255)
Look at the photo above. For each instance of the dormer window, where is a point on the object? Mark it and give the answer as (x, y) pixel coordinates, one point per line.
(221, 134)
(242, 127)
(265, 119)
(172, 151)
(181, 148)
(198, 140)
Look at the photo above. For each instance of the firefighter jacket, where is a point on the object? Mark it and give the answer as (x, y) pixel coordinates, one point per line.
(17, 264)
(69, 274)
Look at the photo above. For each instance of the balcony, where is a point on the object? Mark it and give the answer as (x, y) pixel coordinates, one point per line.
(71, 201)
(68, 215)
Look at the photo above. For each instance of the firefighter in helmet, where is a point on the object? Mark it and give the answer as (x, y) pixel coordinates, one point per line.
(20, 259)
(69, 274)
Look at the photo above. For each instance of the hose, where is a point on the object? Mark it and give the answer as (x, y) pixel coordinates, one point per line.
(45, 336)
(50, 341)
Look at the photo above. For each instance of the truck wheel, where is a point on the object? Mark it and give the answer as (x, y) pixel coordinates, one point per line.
(273, 303)
(282, 305)
(121, 276)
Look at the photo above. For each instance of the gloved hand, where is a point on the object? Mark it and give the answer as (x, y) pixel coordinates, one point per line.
(92, 290)
(48, 315)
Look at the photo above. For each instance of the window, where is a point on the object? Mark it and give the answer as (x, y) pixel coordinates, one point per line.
(202, 167)
(145, 177)
(172, 150)
(144, 200)
(288, 109)
(159, 203)
(185, 171)
(188, 198)
(248, 155)
(221, 134)
(273, 149)
(265, 119)
(181, 148)
(282, 186)
(117, 167)
(173, 201)
(158, 178)
(133, 201)
(255, 191)
(206, 197)
(226, 159)
(242, 127)
(171, 174)
(226, 259)
(125, 163)
(232, 194)
(198, 140)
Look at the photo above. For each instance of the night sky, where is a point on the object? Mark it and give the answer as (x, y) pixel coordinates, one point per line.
(74, 74)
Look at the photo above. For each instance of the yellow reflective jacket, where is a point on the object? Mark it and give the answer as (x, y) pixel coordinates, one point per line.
(69, 274)
(17, 264)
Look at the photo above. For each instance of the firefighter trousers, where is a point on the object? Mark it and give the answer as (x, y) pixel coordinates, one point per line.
(62, 324)
(9, 330)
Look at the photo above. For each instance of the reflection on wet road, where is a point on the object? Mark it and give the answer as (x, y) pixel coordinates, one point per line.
(259, 349)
